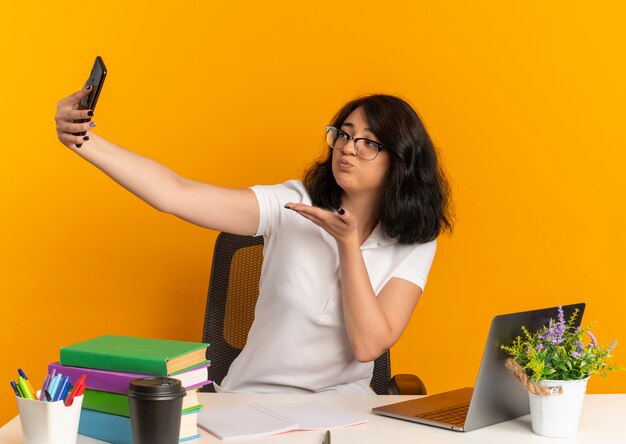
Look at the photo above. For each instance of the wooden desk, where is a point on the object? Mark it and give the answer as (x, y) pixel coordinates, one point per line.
(603, 421)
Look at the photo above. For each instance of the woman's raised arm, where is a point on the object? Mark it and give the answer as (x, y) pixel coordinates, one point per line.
(223, 209)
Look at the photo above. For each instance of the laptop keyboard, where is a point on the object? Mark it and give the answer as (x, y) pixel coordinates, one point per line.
(449, 415)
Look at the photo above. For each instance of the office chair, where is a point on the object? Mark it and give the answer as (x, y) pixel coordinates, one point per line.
(232, 295)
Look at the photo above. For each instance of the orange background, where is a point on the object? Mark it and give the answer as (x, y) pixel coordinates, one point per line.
(525, 101)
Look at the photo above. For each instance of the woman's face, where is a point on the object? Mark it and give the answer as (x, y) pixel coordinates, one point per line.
(352, 173)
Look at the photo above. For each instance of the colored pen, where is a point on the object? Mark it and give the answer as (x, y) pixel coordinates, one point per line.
(327, 437)
(26, 393)
(78, 390)
(16, 389)
(66, 392)
(30, 387)
(63, 386)
(19, 390)
(54, 385)
(49, 380)
(42, 396)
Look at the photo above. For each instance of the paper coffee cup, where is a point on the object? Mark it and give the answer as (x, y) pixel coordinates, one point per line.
(155, 410)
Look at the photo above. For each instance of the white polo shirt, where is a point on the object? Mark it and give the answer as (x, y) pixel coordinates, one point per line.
(298, 341)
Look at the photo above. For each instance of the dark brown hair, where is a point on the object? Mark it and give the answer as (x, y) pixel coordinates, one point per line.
(415, 205)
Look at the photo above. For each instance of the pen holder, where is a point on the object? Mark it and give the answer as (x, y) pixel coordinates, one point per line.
(49, 422)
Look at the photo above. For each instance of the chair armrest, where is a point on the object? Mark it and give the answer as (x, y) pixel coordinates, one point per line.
(405, 384)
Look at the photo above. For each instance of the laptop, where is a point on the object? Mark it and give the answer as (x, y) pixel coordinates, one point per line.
(497, 396)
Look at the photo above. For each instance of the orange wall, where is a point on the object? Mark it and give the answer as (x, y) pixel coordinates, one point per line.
(525, 101)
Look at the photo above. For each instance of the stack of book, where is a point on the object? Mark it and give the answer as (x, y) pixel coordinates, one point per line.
(111, 362)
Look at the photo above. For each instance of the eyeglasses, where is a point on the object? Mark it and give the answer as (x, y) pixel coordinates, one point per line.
(365, 148)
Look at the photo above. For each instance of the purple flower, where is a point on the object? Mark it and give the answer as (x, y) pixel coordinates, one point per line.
(611, 347)
(561, 316)
(539, 347)
(577, 353)
(555, 330)
(593, 339)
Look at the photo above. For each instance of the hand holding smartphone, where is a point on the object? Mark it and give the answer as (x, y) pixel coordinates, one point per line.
(96, 80)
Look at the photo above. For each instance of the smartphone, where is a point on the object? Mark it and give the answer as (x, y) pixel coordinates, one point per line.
(96, 80)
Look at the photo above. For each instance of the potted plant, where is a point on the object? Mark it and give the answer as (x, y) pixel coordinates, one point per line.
(554, 364)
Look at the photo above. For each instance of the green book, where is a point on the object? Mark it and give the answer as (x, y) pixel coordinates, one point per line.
(158, 357)
(117, 404)
(106, 402)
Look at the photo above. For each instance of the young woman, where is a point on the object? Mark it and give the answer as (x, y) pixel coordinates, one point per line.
(347, 250)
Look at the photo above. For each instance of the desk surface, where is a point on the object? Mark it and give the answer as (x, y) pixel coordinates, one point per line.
(602, 421)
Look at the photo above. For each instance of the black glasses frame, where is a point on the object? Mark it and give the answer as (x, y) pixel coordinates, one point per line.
(380, 146)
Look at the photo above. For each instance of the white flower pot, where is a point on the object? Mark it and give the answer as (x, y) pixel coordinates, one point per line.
(557, 415)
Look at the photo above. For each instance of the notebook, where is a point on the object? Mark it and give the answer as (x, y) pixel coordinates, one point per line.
(497, 396)
(255, 420)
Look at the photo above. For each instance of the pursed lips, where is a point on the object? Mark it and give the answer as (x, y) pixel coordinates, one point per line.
(345, 163)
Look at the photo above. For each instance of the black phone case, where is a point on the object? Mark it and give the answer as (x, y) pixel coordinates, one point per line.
(96, 80)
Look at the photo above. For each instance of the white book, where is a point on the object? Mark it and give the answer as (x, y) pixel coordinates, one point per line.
(254, 420)
(190, 399)
(188, 425)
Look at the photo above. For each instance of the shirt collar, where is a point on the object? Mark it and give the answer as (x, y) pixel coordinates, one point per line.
(377, 238)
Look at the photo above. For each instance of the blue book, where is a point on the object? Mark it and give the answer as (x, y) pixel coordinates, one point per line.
(106, 427)
(116, 429)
